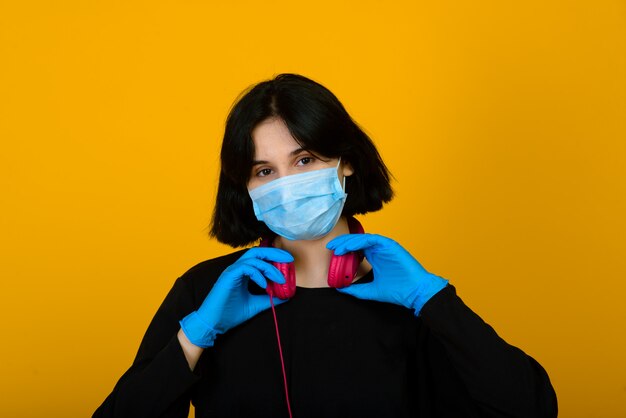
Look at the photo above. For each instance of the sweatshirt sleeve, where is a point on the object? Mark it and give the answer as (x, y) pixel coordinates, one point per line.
(159, 381)
(501, 379)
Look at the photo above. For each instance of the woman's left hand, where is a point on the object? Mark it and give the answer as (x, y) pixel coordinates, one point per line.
(398, 277)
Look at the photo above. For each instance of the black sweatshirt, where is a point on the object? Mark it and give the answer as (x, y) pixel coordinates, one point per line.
(344, 357)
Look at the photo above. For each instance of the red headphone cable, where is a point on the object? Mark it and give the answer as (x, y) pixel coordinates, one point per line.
(282, 360)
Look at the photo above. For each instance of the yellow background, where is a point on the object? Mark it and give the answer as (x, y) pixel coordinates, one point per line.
(503, 123)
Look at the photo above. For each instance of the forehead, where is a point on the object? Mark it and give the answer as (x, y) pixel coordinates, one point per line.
(272, 139)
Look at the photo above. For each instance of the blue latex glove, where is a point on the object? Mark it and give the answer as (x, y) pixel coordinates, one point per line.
(398, 277)
(229, 303)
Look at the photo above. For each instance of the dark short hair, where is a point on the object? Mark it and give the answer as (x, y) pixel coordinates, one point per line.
(320, 124)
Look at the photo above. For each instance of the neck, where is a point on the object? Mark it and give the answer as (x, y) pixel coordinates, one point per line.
(312, 258)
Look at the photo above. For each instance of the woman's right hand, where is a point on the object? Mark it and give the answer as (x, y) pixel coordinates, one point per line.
(229, 303)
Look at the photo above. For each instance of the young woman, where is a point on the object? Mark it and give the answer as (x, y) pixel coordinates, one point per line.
(350, 336)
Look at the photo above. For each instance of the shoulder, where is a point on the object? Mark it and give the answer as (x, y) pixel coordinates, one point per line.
(201, 277)
(214, 264)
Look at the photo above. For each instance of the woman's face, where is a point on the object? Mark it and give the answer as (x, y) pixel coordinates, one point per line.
(277, 154)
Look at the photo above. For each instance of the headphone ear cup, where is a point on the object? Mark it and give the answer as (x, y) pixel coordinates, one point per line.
(288, 289)
(343, 268)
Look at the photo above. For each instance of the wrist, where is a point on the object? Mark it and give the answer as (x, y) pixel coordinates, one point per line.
(197, 331)
(429, 287)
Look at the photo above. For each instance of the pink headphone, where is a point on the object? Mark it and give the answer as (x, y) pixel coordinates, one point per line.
(341, 270)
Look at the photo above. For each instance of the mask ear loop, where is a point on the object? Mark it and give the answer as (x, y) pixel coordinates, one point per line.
(282, 360)
(344, 177)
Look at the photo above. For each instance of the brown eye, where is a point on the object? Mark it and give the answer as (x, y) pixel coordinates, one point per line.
(264, 172)
(305, 160)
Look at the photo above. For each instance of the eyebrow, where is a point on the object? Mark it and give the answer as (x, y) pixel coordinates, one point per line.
(291, 154)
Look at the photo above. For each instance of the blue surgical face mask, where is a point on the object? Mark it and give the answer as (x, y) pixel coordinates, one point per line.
(301, 206)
